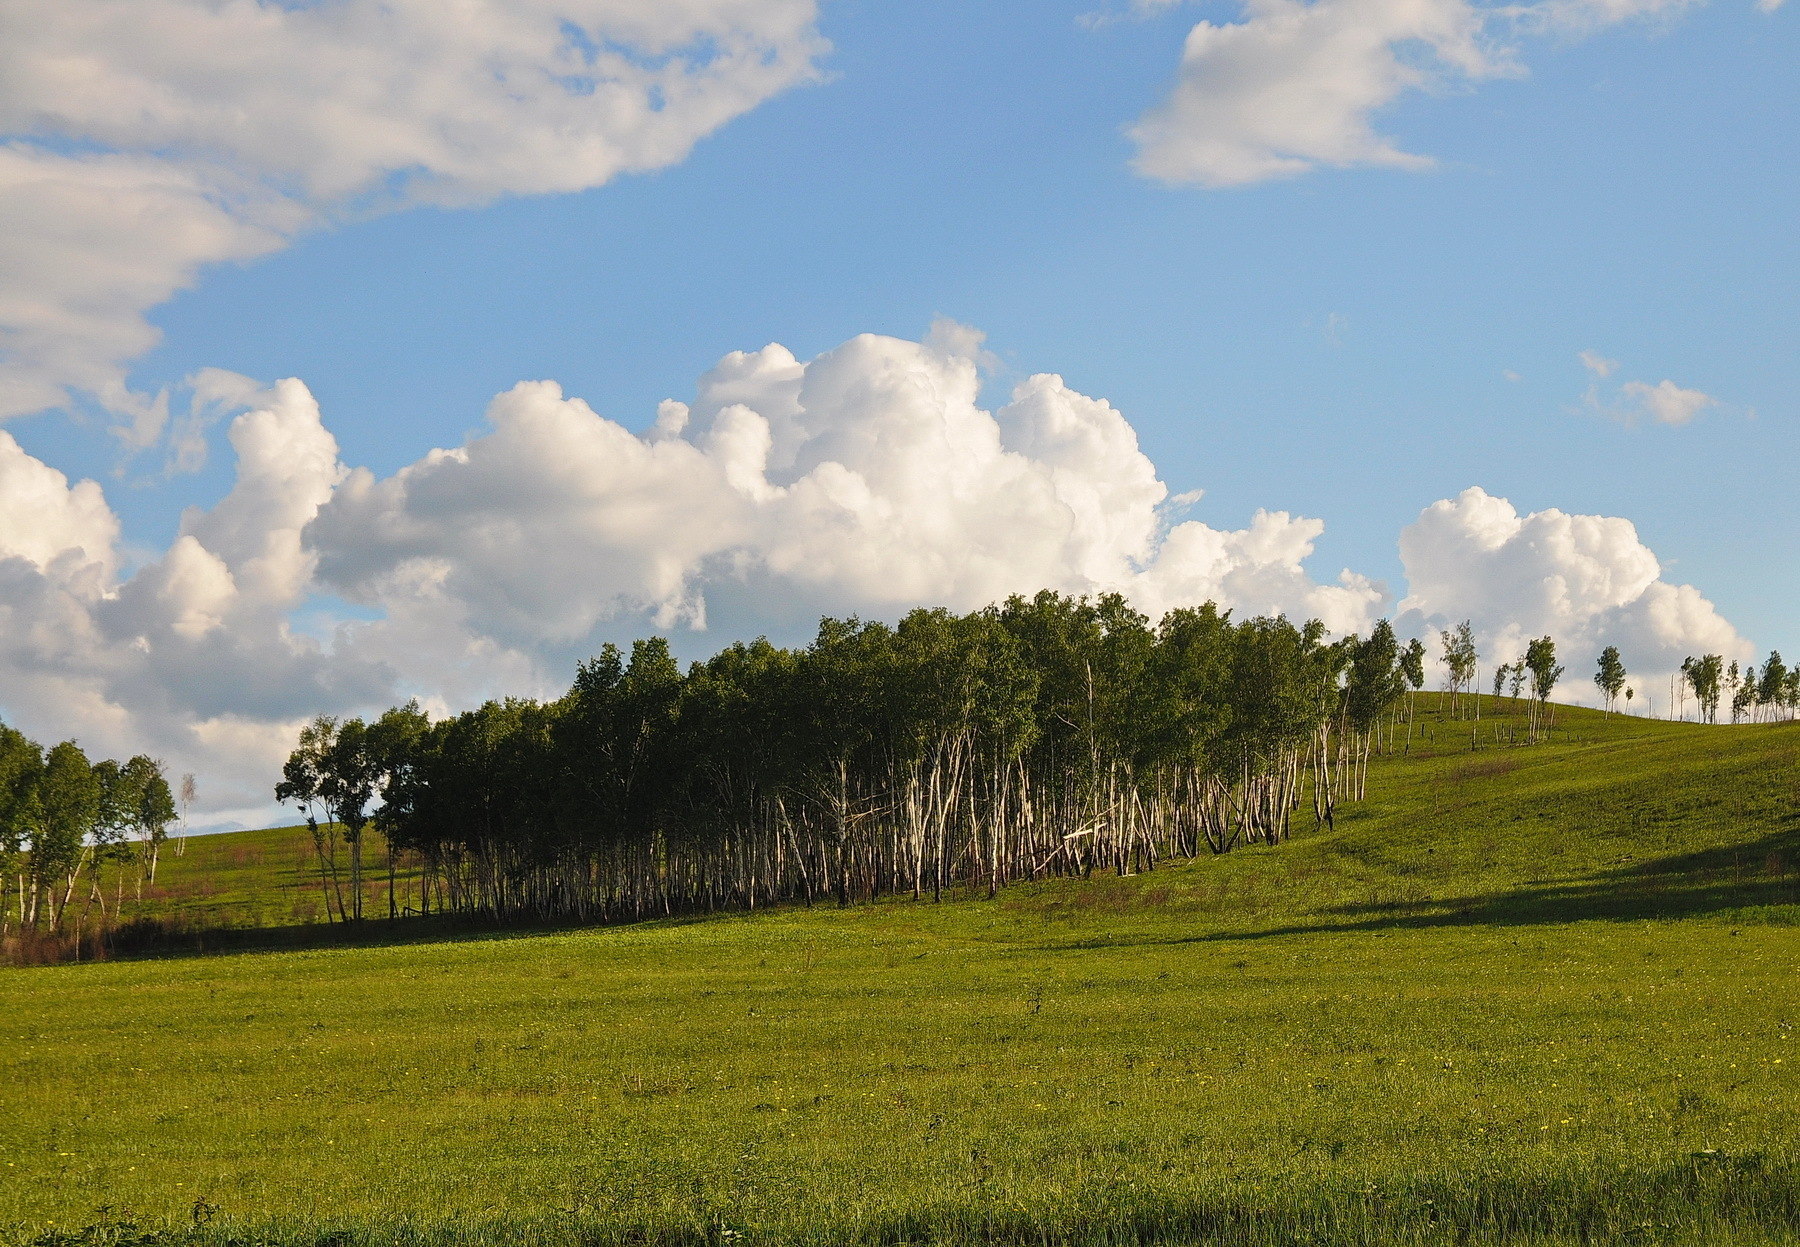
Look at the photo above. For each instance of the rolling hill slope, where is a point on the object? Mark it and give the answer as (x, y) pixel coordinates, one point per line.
(1523, 994)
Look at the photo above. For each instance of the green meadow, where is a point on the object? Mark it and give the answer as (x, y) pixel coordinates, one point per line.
(1523, 994)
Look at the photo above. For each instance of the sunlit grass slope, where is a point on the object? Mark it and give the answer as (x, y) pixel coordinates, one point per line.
(248, 880)
(1539, 994)
(244, 879)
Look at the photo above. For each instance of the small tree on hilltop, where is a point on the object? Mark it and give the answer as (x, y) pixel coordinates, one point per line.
(112, 825)
(352, 774)
(303, 782)
(1743, 695)
(21, 767)
(1412, 667)
(188, 794)
(1374, 684)
(1540, 661)
(394, 743)
(1460, 660)
(69, 795)
(153, 806)
(1771, 689)
(1610, 678)
(1705, 676)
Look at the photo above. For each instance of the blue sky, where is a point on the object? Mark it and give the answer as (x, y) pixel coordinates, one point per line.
(1352, 343)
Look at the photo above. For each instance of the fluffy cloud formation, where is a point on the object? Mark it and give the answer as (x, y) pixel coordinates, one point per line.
(87, 244)
(1296, 84)
(45, 522)
(150, 139)
(1586, 580)
(868, 480)
(192, 656)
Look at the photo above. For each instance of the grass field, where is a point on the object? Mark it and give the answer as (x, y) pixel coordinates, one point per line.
(1521, 995)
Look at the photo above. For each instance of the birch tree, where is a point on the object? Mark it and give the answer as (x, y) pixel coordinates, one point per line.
(21, 769)
(69, 797)
(151, 807)
(303, 784)
(1704, 675)
(1771, 686)
(1460, 660)
(1610, 676)
(1540, 661)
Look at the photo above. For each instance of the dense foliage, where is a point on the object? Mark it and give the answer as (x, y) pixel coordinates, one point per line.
(1047, 735)
(64, 821)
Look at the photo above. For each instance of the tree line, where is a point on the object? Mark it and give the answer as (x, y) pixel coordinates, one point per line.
(70, 828)
(1043, 736)
(1751, 695)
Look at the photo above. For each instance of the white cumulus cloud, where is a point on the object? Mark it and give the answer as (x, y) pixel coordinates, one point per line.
(1297, 85)
(44, 521)
(1587, 581)
(143, 140)
(191, 657)
(869, 479)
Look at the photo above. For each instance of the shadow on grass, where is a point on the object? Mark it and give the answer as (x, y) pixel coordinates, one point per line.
(1754, 881)
(1759, 874)
(153, 940)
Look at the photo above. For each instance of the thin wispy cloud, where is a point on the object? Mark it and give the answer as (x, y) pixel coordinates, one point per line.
(1598, 364)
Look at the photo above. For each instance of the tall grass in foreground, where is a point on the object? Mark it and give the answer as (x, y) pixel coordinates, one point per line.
(1708, 1198)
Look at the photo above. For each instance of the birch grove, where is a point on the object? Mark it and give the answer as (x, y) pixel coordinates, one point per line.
(71, 829)
(1044, 736)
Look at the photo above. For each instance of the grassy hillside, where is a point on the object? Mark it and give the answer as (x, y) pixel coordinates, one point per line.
(1538, 994)
(249, 880)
